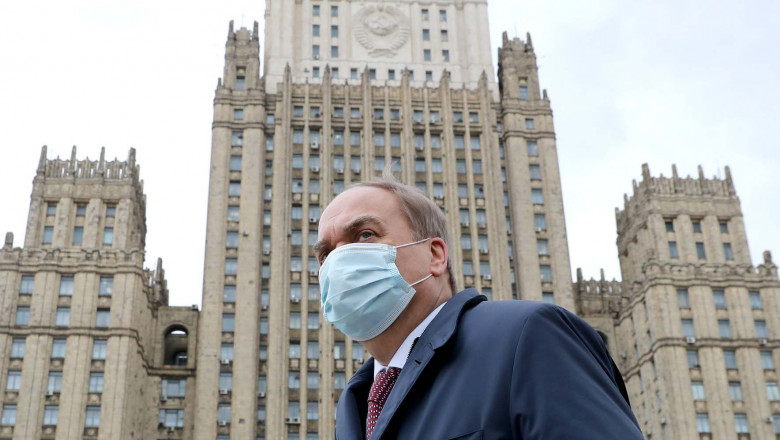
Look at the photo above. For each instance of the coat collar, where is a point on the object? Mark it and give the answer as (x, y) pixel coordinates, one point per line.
(438, 333)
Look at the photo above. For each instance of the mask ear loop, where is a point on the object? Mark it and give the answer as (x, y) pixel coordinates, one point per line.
(412, 243)
(418, 282)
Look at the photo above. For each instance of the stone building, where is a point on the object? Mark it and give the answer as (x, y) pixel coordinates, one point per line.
(346, 90)
(89, 342)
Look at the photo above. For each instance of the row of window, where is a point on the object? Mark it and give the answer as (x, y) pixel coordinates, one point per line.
(719, 299)
(735, 391)
(379, 114)
(227, 350)
(105, 287)
(730, 359)
(740, 423)
(62, 317)
(78, 235)
(54, 384)
(58, 347)
(701, 253)
(724, 328)
(51, 415)
(81, 210)
(723, 226)
(424, 13)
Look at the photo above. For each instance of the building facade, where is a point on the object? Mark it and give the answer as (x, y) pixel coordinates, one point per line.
(347, 90)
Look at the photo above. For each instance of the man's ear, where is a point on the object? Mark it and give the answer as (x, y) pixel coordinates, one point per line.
(439, 256)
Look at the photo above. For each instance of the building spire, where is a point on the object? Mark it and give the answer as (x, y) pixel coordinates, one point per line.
(42, 162)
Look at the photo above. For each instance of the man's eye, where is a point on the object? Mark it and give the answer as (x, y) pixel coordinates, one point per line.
(365, 235)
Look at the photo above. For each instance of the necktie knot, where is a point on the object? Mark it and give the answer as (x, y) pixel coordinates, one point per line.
(380, 390)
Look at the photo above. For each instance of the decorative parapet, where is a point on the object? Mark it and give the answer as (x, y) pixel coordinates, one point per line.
(594, 297)
(656, 271)
(674, 186)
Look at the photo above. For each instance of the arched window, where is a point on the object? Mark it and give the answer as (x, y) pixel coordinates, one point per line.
(175, 347)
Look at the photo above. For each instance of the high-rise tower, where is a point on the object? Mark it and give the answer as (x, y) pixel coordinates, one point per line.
(90, 348)
(421, 98)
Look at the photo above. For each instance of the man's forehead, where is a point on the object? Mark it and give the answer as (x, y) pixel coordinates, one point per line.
(357, 202)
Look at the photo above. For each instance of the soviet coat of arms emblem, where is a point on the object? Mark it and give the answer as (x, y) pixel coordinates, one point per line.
(381, 29)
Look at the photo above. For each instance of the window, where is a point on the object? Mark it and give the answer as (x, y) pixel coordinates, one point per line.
(238, 114)
(295, 319)
(334, 51)
(313, 350)
(536, 196)
(425, 14)
(110, 210)
(683, 300)
(445, 54)
(542, 247)
(339, 380)
(223, 412)
(475, 144)
(102, 318)
(228, 322)
(357, 351)
(379, 140)
(26, 285)
(442, 15)
(719, 297)
(338, 350)
(735, 391)
(727, 252)
(697, 226)
(379, 163)
(50, 415)
(673, 253)
(106, 286)
(700, 252)
(776, 422)
(296, 237)
(62, 318)
(226, 352)
(535, 172)
(66, 285)
(540, 222)
(395, 140)
(532, 147)
(17, 348)
(419, 165)
(334, 11)
(546, 272)
(51, 209)
(312, 410)
(48, 234)
(9, 415)
(687, 328)
(236, 140)
(730, 358)
(173, 387)
(697, 387)
(233, 213)
(231, 266)
(429, 78)
(315, 52)
(232, 239)
(315, 30)
(427, 57)
(99, 349)
(235, 163)
(81, 210)
(523, 93)
(761, 330)
(312, 380)
(426, 35)
(669, 224)
(93, 417)
(22, 315)
(529, 124)
(724, 328)
(703, 423)
(741, 423)
(78, 235)
(14, 380)
(767, 361)
(548, 297)
(465, 242)
(294, 351)
(315, 10)
(240, 82)
(724, 227)
(444, 36)
(171, 418)
(371, 73)
(391, 77)
(95, 382)
(58, 348)
(693, 358)
(755, 300)
(226, 381)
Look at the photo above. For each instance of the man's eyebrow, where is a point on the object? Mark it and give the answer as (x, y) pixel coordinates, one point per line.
(361, 221)
(320, 245)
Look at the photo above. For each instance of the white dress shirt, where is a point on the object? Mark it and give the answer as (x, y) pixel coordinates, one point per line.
(400, 356)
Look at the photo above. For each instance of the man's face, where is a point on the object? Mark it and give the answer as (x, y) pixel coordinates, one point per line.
(372, 215)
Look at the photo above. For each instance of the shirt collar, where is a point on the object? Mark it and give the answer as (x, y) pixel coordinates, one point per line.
(400, 356)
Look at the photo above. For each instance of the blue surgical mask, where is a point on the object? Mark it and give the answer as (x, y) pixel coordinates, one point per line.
(363, 292)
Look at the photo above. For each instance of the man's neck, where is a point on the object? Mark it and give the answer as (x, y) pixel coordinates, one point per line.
(384, 346)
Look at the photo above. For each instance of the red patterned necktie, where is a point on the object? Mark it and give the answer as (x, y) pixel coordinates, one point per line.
(380, 389)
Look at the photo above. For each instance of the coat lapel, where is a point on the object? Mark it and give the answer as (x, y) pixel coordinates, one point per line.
(354, 404)
(440, 330)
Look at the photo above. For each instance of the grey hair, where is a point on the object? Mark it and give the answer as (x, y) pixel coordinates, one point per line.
(425, 217)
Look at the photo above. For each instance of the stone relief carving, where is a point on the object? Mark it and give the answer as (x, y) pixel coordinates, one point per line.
(381, 29)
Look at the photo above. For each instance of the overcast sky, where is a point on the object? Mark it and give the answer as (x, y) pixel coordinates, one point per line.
(630, 82)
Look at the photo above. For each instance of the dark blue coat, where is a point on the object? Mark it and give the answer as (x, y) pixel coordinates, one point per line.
(498, 370)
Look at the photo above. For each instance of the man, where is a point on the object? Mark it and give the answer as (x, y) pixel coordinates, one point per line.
(448, 366)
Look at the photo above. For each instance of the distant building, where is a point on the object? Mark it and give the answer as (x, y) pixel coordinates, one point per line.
(349, 88)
